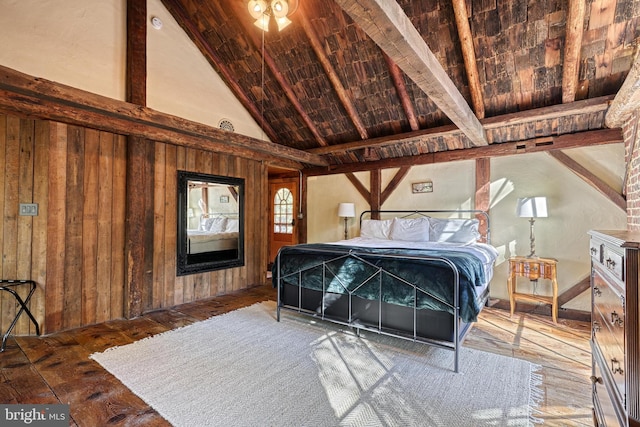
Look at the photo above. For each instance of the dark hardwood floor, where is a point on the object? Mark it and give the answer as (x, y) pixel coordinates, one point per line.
(57, 369)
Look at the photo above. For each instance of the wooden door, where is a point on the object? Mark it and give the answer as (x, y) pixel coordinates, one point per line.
(283, 218)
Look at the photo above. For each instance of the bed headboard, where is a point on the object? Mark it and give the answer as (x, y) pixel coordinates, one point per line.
(480, 215)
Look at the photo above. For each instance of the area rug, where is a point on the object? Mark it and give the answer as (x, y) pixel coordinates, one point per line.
(246, 369)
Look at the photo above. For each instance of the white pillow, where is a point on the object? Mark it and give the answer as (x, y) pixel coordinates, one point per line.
(454, 230)
(376, 229)
(410, 229)
(233, 225)
(215, 225)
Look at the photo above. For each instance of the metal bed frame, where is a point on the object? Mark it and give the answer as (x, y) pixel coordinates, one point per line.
(380, 327)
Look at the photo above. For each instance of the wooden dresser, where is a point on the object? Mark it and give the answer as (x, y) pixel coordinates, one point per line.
(615, 327)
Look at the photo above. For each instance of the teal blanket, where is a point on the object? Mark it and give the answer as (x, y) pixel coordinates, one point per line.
(392, 275)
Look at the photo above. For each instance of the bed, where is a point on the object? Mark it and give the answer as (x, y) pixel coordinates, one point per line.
(217, 232)
(410, 274)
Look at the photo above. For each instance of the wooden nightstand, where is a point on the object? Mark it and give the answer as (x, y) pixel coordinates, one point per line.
(533, 269)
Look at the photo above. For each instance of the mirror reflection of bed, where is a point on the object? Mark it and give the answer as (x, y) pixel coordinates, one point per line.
(213, 222)
(216, 236)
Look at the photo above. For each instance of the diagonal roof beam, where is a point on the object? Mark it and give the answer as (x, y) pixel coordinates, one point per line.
(390, 28)
(401, 90)
(469, 55)
(627, 99)
(572, 47)
(253, 33)
(180, 15)
(316, 45)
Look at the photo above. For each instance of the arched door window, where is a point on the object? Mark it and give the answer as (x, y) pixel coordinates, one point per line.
(283, 211)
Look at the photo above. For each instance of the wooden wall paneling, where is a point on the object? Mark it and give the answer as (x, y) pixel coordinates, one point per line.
(149, 175)
(135, 226)
(241, 276)
(159, 228)
(40, 196)
(56, 224)
(118, 219)
(10, 213)
(3, 164)
(190, 280)
(180, 282)
(90, 227)
(106, 227)
(170, 281)
(24, 223)
(72, 310)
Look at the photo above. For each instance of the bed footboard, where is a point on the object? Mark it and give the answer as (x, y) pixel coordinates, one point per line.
(433, 327)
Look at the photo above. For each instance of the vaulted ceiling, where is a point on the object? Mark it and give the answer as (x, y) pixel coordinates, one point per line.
(380, 81)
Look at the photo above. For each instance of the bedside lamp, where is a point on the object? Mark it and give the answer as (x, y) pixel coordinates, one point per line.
(346, 210)
(532, 207)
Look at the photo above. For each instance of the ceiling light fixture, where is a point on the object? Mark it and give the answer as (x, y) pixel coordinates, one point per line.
(280, 10)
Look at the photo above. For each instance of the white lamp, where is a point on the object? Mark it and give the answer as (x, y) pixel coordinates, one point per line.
(346, 210)
(532, 207)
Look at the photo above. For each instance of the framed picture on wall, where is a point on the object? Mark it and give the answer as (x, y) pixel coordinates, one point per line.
(422, 187)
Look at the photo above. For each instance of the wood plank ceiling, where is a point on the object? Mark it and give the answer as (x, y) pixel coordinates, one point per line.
(380, 81)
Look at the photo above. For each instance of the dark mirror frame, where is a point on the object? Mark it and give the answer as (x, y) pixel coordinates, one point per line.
(206, 261)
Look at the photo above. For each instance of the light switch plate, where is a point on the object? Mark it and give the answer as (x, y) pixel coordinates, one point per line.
(28, 209)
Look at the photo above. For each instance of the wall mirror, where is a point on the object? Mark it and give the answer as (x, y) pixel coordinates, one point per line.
(210, 222)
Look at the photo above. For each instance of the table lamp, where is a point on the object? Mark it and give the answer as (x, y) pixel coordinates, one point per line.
(346, 210)
(532, 207)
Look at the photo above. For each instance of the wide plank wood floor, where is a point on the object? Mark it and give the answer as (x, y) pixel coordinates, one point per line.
(57, 369)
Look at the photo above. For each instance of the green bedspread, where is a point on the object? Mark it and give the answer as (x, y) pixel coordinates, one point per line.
(356, 270)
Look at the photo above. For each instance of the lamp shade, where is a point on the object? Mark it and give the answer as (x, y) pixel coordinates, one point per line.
(346, 210)
(532, 207)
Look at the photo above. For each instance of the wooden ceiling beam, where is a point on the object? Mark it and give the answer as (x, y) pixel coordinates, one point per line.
(341, 92)
(574, 140)
(401, 90)
(469, 56)
(257, 38)
(39, 98)
(572, 48)
(590, 178)
(181, 17)
(627, 99)
(551, 113)
(390, 28)
(393, 184)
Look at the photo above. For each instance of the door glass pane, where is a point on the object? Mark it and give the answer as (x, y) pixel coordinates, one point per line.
(283, 211)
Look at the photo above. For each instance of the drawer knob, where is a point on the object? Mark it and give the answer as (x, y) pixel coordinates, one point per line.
(611, 263)
(596, 291)
(616, 319)
(594, 251)
(596, 327)
(615, 366)
(596, 380)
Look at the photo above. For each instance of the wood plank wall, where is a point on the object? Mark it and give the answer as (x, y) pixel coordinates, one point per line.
(74, 248)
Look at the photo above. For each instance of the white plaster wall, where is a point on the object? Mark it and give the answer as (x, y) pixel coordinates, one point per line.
(79, 43)
(82, 43)
(181, 81)
(574, 208)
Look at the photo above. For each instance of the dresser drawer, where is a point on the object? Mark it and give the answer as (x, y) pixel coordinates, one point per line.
(612, 351)
(614, 262)
(608, 300)
(603, 405)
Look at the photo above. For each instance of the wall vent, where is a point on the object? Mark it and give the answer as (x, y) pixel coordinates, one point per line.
(225, 124)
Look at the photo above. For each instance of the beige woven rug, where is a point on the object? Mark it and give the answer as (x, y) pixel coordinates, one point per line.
(246, 369)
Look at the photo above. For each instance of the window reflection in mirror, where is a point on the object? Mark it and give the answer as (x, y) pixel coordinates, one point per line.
(210, 222)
